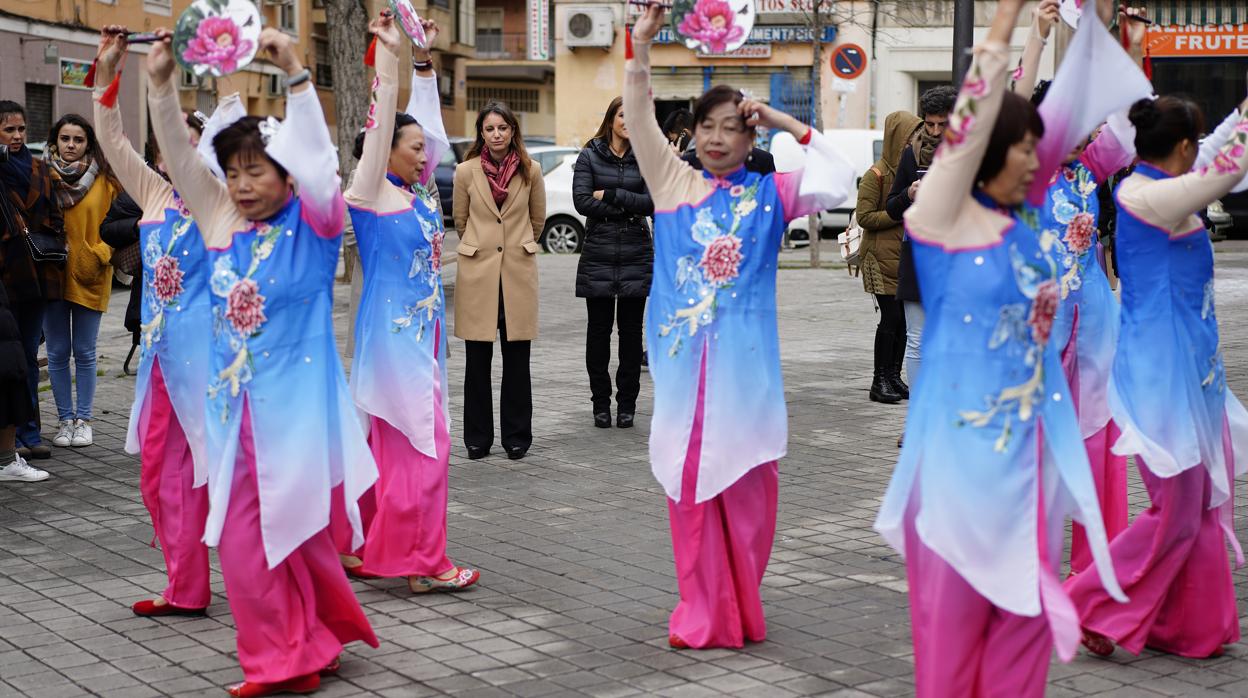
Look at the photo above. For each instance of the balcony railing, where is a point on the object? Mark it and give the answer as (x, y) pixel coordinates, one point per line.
(512, 46)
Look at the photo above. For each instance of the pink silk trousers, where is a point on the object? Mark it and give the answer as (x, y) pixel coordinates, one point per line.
(1109, 471)
(294, 619)
(1172, 563)
(721, 547)
(179, 510)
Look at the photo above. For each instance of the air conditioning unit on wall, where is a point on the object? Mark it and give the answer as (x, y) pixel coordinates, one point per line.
(589, 27)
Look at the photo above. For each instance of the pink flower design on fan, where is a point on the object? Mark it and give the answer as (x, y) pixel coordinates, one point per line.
(1224, 164)
(1080, 232)
(1043, 308)
(167, 279)
(245, 307)
(216, 45)
(711, 22)
(721, 260)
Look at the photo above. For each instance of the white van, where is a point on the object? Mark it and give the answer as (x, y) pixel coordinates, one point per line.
(862, 146)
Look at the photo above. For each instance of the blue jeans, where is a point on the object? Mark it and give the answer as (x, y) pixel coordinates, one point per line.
(29, 316)
(914, 338)
(68, 326)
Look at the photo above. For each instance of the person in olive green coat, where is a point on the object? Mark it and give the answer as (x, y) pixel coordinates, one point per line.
(880, 255)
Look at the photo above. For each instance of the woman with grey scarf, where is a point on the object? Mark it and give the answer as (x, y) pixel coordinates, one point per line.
(85, 193)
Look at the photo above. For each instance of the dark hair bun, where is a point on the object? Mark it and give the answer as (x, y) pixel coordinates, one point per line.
(1145, 115)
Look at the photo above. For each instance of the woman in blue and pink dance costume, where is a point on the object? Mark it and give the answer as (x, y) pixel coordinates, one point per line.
(1168, 393)
(993, 458)
(283, 436)
(1085, 329)
(399, 373)
(167, 418)
(719, 416)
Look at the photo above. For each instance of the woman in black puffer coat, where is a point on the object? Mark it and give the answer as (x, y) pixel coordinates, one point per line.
(616, 262)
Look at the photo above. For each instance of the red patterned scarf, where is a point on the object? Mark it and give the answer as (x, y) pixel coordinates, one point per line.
(499, 174)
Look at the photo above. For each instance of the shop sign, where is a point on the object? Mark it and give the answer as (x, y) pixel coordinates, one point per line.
(746, 51)
(765, 34)
(539, 30)
(1175, 41)
(74, 73)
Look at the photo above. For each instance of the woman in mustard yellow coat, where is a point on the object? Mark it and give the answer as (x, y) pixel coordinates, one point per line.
(499, 209)
(85, 192)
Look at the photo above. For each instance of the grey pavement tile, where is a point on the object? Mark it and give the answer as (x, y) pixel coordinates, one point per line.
(573, 544)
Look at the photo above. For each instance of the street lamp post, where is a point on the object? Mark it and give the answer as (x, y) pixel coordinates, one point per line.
(963, 37)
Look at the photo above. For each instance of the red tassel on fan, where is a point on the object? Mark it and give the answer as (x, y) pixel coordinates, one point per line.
(89, 81)
(628, 44)
(1148, 64)
(109, 98)
(370, 56)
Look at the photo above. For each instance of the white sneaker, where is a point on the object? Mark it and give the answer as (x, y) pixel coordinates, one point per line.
(65, 435)
(19, 470)
(83, 436)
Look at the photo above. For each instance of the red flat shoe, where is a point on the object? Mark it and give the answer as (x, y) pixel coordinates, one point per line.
(1097, 643)
(254, 689)
(149, 608)
(677, 643)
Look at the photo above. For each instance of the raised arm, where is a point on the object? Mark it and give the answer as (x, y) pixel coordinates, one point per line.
(229, 109)
(822, 184)
(144, 186)
(1169, 202)
(204, 194)
(302, 143)
(1046, 14)
(425, 104)
(671, 181)
(1213, 144)
(370, 173)
(952, 175)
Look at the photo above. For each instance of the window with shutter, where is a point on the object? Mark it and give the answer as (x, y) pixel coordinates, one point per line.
(466, 30)
(38, 111)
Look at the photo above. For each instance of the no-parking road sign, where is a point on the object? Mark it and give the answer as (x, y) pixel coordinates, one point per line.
(849, 61)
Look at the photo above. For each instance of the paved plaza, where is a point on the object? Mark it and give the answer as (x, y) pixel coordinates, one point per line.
(572, 542)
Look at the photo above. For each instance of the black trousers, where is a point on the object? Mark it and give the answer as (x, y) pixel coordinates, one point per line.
(890, 334)
(626, 314)
(516, 400)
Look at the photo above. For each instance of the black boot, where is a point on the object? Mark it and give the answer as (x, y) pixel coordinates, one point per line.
(882, 389)
(899, 360)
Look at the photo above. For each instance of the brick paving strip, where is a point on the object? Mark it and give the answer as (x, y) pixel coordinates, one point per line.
(572, 542)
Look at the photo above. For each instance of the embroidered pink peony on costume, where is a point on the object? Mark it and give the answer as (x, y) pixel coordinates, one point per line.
(435, 252)
(1043, 308)
(712, 23)
(216, 44)
(167, 279)
(245, 307)
(721, 262)
(1080, 232)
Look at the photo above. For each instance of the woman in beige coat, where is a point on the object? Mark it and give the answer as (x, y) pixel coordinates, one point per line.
(499, 208)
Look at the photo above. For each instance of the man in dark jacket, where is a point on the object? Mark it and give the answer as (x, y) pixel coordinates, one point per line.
(934, 107)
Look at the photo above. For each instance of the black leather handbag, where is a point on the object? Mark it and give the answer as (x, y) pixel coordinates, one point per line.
(44, 245)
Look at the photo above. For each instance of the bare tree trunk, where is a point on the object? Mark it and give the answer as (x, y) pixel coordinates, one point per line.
(347, 21)
(816, 98)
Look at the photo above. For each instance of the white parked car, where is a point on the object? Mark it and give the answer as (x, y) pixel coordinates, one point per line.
(565, 228)
(862, 146)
